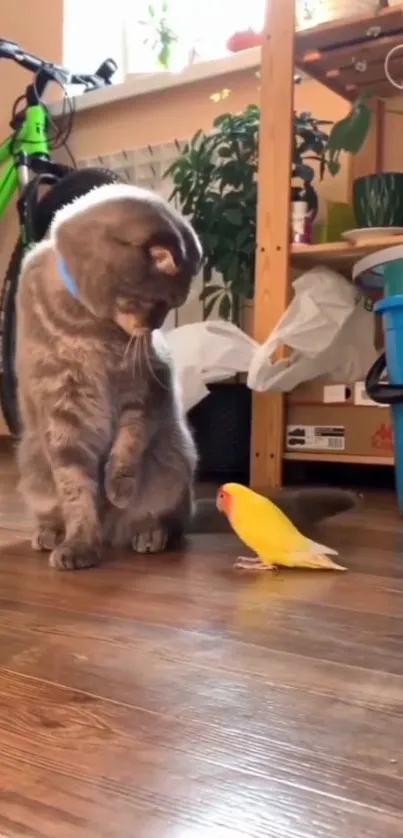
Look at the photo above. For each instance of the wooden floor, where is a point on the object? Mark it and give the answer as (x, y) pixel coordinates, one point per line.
(172, 698)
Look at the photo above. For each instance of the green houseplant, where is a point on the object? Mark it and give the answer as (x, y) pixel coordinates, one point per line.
(215, 179)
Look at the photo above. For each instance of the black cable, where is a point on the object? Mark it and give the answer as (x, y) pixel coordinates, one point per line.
(15, 105)
(60, 137)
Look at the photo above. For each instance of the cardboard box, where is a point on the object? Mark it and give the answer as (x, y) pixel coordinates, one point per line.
(338, 420)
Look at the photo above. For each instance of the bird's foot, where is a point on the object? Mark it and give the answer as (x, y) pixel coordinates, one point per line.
(252, 563)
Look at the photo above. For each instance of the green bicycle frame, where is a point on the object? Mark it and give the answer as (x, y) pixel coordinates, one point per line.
(30, 139)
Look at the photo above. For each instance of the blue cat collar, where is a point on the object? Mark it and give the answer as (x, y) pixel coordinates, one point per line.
(67, 278)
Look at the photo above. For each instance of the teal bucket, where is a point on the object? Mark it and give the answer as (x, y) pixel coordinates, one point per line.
(393, 278)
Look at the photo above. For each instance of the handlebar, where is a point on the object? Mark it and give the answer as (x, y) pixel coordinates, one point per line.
(102, 76)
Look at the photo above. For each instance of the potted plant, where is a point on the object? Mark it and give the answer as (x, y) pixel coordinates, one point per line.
(313, 144)
(378, 197)
(310, 142)
(215, 179)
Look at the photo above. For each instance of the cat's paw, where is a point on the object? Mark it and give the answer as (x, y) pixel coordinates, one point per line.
(45, 539)
(150, 541)
(119, 486)
(74, 556)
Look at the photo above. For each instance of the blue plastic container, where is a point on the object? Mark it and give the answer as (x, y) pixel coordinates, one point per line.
(393, 276)
(391, 309)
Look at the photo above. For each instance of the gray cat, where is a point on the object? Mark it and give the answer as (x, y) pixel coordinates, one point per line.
(106, 455)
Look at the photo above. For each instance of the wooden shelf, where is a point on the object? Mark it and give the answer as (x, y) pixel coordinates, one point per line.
(338, 255)
(348, 55)
(350, 459)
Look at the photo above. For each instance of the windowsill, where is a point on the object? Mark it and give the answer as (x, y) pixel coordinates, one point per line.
(142, 85)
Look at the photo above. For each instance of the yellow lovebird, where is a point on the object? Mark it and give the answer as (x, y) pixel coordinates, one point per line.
(264, 528)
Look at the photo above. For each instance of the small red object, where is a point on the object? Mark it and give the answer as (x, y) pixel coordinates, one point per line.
(244, 40)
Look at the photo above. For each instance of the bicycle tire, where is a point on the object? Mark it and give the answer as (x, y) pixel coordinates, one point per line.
(72, 186)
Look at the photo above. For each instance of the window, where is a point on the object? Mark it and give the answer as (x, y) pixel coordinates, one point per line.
(94, 31)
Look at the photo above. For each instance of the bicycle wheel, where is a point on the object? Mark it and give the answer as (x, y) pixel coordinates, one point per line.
(73, 185)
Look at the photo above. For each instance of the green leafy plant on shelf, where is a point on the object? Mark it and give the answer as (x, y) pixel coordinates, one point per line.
(160, 37)
(312, 143)
(215, 180)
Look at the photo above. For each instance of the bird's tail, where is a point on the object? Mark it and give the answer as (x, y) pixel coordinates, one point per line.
(316, 561)
(314, 547)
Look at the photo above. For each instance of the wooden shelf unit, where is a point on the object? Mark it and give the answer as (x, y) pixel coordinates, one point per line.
(347, 56)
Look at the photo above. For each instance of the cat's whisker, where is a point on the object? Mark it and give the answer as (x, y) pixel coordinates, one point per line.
(139, 351)
(136, 357)
(149, 365)
(128, 345)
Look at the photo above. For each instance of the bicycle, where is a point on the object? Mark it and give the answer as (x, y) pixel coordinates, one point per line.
(27, 165)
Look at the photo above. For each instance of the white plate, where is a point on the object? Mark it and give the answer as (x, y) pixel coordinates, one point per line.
(366, 234)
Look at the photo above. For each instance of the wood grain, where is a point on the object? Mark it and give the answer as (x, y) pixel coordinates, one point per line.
(170, 697)
(273, 227)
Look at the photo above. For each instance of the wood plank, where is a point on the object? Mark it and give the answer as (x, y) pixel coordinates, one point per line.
(331, 53)
(348, 31)
(374, 72)
(123, 771)
(273, 234)
(371, 52)
(169, 696)
(352, 459)
(342, 254)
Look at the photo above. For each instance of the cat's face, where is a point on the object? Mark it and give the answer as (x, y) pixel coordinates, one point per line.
(132, 256)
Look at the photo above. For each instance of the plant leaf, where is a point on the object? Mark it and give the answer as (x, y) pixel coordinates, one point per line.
(208, 290)
(234, 216)
(224, 151)
(306, 173)
(333, 166)
(224, 309)
(350, 133)
(210, 305)
(219, 120)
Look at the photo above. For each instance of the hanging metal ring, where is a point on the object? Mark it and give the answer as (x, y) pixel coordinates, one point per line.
(386, 67)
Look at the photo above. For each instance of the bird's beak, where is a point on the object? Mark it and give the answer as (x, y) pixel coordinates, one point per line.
(219, 503)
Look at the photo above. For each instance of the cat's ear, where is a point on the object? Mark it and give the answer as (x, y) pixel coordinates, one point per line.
(163, 260)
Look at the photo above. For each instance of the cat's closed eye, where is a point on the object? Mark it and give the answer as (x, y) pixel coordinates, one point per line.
(120, 241)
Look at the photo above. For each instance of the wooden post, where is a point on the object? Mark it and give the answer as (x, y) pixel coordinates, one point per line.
(273, 227)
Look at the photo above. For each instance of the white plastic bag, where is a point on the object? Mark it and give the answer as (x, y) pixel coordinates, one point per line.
(326, 327)
(328, 330)
(213, 350)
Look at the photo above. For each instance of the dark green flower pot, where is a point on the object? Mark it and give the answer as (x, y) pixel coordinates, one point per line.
(378, 200)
